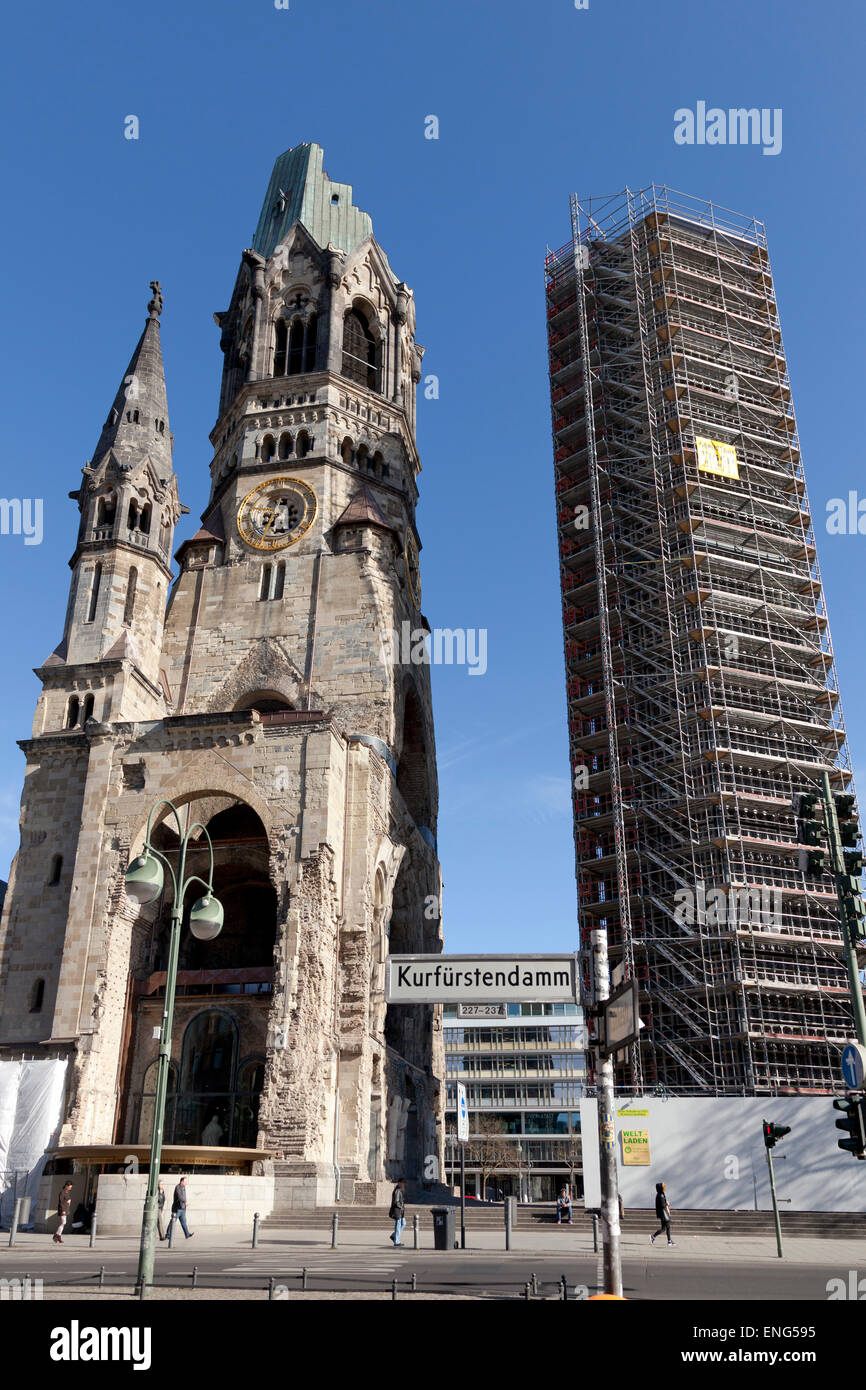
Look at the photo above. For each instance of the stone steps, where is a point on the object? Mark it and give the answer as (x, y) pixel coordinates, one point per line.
(635, 1222)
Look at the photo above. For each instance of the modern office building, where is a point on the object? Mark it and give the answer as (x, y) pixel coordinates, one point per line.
(701, 689)
(524, 1075)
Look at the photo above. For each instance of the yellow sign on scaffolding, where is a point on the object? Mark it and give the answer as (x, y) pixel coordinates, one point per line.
(716, 457)
(635, 1148)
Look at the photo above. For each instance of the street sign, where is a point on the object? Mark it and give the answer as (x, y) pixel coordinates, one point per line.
(482, 1010)
(854, 1066)
(462, 1114)
(620, 1023)
(530, 979)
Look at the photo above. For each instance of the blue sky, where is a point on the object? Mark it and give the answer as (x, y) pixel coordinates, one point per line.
(534, 101)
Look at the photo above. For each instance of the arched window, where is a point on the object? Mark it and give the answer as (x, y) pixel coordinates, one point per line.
(296, 348)
(310, 336)
(380, 467)
(129, 606)
(285, 446)
(302, 444)
(37, 994)
(147, 1100)
(105, 510)
(72, 712)
(359, 351)
(144, 519)
(362, 456)
(132, 516)
(265, 584)
(269, 448)
(347, 452)
(281, 341)
(248, 1093)
(280, 579)
(56, 869)
(88, 709)
(94, 594)
(207, 1080)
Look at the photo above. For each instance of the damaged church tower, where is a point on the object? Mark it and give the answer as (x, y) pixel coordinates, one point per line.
(262, 697)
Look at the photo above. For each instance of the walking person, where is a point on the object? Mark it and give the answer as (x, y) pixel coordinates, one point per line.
(64, 1202)
(178, 1210)
(663, 1212)
(397, 1210)
(160, 1207)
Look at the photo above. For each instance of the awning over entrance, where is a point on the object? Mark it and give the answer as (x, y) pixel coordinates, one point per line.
(188, 1158)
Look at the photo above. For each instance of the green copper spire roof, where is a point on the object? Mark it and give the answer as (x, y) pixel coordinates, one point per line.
(300, 191)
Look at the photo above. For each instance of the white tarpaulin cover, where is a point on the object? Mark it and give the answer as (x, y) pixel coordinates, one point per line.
(31, 1104)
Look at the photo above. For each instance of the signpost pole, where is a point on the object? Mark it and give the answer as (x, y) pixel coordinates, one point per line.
(463, 1194)
(606, 1129)
(775, 1203)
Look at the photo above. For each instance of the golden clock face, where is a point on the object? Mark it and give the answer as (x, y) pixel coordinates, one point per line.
(413, 568)
(276, 513)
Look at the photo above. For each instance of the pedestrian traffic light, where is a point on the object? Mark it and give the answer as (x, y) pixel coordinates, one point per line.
(854, 1124)
(773, 1133)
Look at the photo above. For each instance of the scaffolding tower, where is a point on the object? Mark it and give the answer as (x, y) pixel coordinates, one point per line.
(702, 693)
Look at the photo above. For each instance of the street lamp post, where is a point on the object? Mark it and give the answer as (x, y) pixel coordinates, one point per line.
(145, 878)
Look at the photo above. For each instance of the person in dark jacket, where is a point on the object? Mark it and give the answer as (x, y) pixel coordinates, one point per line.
(178, 1210)
(64, 1202)
(663, 1212)
(160, 1206)
(397, 1210)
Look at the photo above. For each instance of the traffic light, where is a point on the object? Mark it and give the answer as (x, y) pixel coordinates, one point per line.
(809, 810)
(849, 828)
(773, 1133)
(854, 1124)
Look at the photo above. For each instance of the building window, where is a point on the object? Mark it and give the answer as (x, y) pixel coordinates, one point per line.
(285, 446)
(94, 594)
(296, 348)
(72, 712)
(88, 709)
(129, 606)
(302, 447)
(56, 870)
(37, 994)
(265, 584)
(279, 580)
(359, 351)
(280, 349)
(269, 448)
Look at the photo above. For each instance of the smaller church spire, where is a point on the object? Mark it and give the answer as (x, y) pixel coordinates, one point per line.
(137, 424)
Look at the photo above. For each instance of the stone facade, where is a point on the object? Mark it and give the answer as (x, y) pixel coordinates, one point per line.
(260, 695)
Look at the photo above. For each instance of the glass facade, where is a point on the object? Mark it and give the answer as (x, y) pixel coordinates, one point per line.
(524, 1078)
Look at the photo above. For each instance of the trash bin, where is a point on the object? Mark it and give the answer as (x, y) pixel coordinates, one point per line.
(444, 1227)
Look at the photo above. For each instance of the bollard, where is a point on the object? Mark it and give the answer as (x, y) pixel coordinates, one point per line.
(16, 1217)
(563, 1289)
(527, 1287)
(335, 1226)
(195, 1276)
(595, 1232)
(414, 1282)
(101, 1276)
(271, 1289)
(141, 1289)
(255, 1230)
(304, 1277)
(416, 1229)
(171, 1230)
(507, 1224)
(534, 1278)
(393, 1289)
(92, 1231)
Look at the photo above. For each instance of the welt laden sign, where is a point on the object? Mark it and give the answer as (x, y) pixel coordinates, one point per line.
(516, 979)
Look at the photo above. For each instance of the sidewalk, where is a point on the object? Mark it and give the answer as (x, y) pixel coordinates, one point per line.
(549, 1241)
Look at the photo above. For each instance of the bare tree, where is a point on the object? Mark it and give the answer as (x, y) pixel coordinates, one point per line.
(489, 1149)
